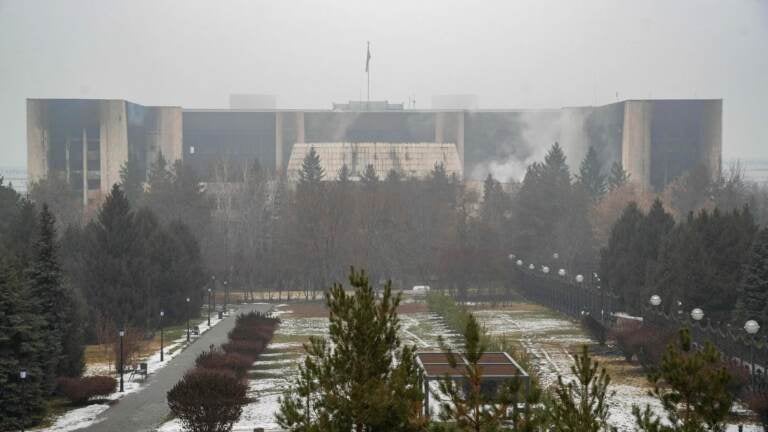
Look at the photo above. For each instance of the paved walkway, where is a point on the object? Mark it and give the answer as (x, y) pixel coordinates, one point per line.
(146, 409)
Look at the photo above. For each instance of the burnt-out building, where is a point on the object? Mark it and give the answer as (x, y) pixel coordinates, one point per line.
(85, 142)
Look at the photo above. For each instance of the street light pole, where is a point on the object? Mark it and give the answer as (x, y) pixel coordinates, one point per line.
(122, 333)
(226, 296)
(162, 314)
(209, 307)
(187, 319)
(752, 327)
(23, 377)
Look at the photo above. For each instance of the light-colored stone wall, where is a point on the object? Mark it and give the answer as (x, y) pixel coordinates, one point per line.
(169, 135)
(416, 159)
(712, 139)
(636, 142)
(113, 142)
(37, 141)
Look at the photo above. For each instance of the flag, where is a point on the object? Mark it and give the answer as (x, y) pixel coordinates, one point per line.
(368, 58)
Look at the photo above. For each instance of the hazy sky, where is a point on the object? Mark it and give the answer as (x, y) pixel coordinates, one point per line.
(510, 53)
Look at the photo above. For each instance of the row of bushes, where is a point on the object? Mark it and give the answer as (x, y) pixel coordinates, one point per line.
(210, 397)
(80, 390)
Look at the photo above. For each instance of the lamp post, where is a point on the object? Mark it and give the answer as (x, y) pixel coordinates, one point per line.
(187, 319)
(556, 256)
(519, 263)
(122, 333)
(23, 377)
(752, 327)
(226, 296)
(162, 314)
(545, 269)
(209, 307)
(561, 272)
(531, 267)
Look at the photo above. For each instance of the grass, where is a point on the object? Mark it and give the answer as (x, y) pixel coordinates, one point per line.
(99, 353)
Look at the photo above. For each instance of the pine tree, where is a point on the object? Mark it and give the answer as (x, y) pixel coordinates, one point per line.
(621, 264)
(56, 303)
(543, 207)
(753, 296)
(22, 346)
(367, 381)
(581, 405)
(472, 408)
(617, 177)
(591, 174)
(311, 169)
(692, 386)
(344, 174)
(132, 179)
(369, 179)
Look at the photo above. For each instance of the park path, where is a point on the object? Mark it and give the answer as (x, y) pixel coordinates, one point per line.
(146, 410)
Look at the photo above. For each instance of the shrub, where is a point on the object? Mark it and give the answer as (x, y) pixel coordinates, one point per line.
(79, 390)
(219, 359)
(208, 400)
(758, 403)
(252, 348)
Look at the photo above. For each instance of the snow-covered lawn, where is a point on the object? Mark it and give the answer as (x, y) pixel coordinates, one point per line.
(79, 418)
(549, 339)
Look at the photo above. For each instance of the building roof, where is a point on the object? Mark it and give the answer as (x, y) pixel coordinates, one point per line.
(493, 364)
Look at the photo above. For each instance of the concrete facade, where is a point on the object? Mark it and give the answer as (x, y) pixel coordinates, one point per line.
(655, 140)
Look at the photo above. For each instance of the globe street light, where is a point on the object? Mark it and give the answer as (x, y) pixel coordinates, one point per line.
(531, 267)
(697, 314)
(752, 327)
(561, 272)
(162, 314)
(579, 278)
(519, 263)
(122, 333)
(187, 319)
(556, 255)
(655, 300)
(511, 257)
(545, 269)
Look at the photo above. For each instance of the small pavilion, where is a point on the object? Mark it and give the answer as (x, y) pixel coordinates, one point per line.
(497, 367)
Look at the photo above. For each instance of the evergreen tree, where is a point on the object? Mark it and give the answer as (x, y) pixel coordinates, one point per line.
(692, 386)
(55, 301)
(22, 346)
(360, 378)
(370, 179)
(543, 207)
(617, 177)
(132, 179)
(753, 296)
(621, 265)
(473, 408)
(344, 174)
(581, 405)
(311, 169)
(591, 174)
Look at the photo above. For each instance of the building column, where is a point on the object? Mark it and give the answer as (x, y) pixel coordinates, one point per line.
(439, 127)
(278, 142)
(85, 168)
(300, 133)
(460, 139)
(636, 142)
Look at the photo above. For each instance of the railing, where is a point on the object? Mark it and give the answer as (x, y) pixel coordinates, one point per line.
(595, 306)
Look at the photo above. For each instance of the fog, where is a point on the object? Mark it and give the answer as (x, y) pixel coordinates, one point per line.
(521, 54)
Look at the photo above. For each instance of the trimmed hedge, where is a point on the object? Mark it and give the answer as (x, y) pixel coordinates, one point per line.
(208, 400)
(80, 390)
